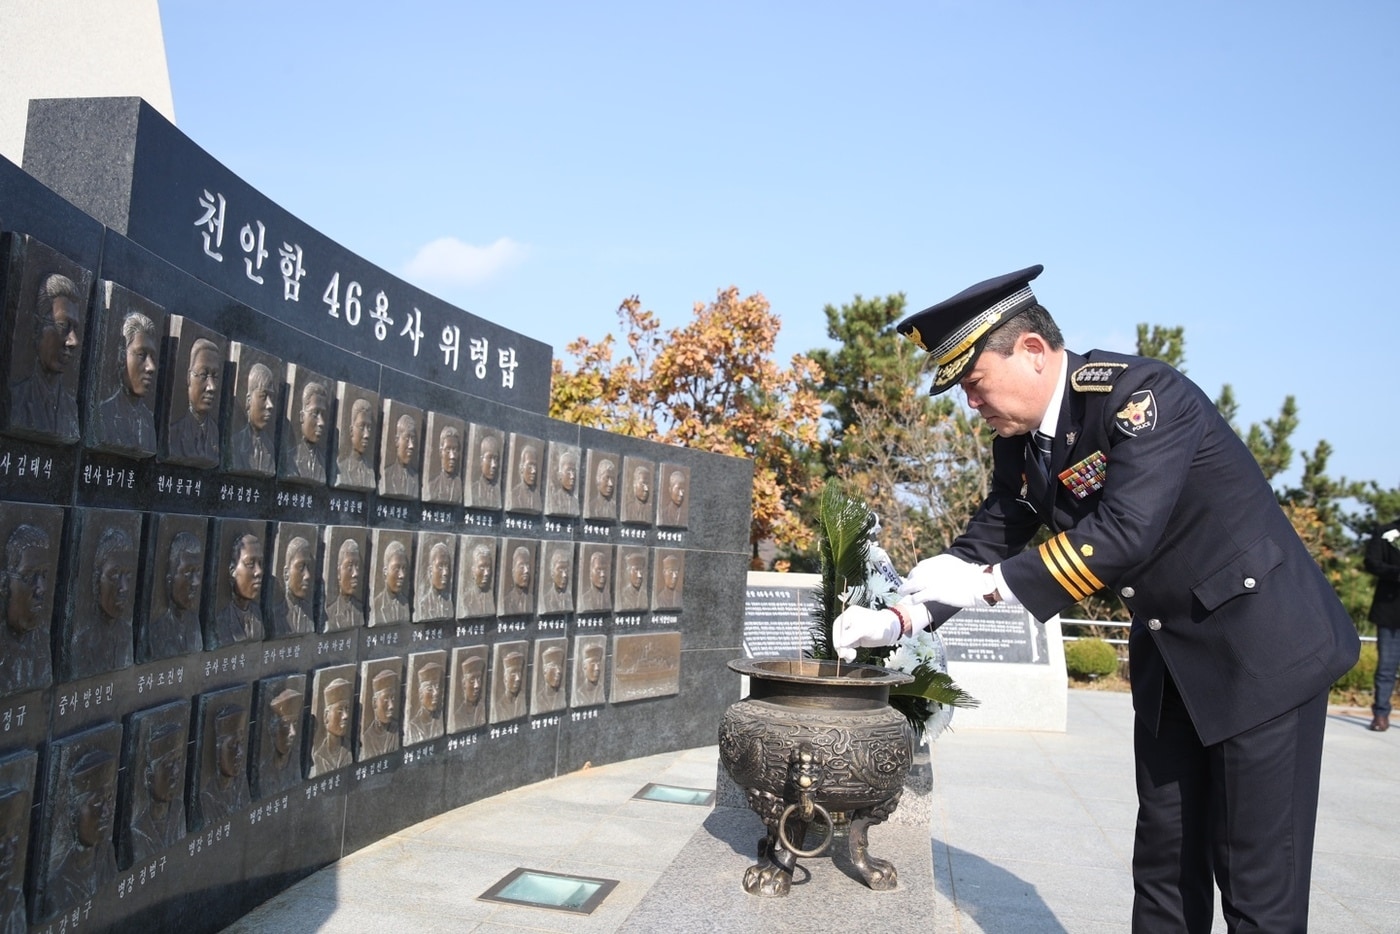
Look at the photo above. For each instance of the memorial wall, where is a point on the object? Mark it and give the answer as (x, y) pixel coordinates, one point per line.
(294, 556)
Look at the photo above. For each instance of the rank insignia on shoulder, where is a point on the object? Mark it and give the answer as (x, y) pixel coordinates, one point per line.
(1138, 415)
(1096, 377)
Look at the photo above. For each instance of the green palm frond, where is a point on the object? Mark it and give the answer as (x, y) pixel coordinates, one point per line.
(843, 538)
(938, 687)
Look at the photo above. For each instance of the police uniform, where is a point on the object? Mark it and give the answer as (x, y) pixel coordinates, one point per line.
(1236, 634)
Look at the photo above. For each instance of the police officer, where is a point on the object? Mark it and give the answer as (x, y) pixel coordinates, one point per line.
(1236, 635)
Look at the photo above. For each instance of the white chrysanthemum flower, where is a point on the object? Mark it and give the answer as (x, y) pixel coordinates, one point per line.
(903, 658)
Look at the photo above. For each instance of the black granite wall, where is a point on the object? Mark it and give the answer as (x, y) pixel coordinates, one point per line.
(205, 693)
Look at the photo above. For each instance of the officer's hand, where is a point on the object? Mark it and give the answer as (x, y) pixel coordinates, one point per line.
(949, 580)
(860, 625)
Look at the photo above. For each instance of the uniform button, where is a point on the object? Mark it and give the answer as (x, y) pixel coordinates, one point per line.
(1154, 624)
(1249, 583)
(1127, 593)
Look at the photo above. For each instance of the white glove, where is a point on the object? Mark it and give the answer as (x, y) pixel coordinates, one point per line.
(949, 580)
(860, 625)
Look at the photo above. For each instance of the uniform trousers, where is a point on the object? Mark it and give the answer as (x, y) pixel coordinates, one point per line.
(1242, 812)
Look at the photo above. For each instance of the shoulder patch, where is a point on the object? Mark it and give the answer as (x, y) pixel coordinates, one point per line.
(1096, 377)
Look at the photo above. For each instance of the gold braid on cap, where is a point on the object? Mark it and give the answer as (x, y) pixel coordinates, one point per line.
(963, 338)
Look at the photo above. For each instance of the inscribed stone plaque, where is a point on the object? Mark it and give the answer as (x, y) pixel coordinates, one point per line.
(588, 689)
(277, 742)
(295, 576)
(121, 415)
(218, 787)
(445, 459)
(346, 554)
(46, 310)
(236, 567)
(517, 587)
(548, 693)
(16, 800)
(424, 698)
(256, 380)
(508, 681)
(600, 493)
(646, 664)
(75, 856)
(638, 489)
(562, 486)
(98, 625)
(437, 572)
(468, 709)
(32, 537)
(305, 427)
(595, 578)
(381, 706)
(525, 488)
(995, 634)
(484, 465)
(556, 591)
(673, 505)
(778, 613)
(476, 576)
(196, 379)
(400, 451)
(153, 782)
(333, 716)
(391, 577)
(357, 421)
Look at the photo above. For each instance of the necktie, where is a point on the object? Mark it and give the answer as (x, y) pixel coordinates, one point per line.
(1040, 456)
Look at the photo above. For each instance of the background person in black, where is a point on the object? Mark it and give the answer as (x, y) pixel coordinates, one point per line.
(1236, 635)
(1383, 560)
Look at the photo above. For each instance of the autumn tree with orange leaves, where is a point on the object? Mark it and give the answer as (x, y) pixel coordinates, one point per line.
(710, 385)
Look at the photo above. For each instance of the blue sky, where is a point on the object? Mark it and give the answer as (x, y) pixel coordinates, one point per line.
(1227, 167)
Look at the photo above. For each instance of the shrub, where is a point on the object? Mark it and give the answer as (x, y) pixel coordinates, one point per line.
(1362, 676)
(1090, 658)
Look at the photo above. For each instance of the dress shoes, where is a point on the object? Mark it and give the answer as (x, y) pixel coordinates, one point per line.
(1380, 722)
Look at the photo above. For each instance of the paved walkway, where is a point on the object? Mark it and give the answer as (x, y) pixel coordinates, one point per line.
(1031, 834)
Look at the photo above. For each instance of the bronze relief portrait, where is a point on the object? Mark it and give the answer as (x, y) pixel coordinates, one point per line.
(46, 308)
(238, 567)
(425, 697)
(257, 377)
(153, 782)
(381, 682)
(468, 707)
(508, 681)
(638, 493)
(486, 447)
(600, 494)
(345, 573)
(588, 688)
(673, 499)
(668, 570)
(103, 593)
(31, 536)
(401, 451)
(516, 595)
(446, 459)
(333, 718)
(548, 694)
(476, 576)
(126, 369)
(192, 407)
(219, 785)
(437, 573)
(556, 587)
(631, 592)
(525, 491)
(595, 578)
(306, 427)
(76, 855)
(16, 799)
(357, 433)
(175, 586)
(561, 491)
(296, 579)
(391, 578)
(277, 741)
